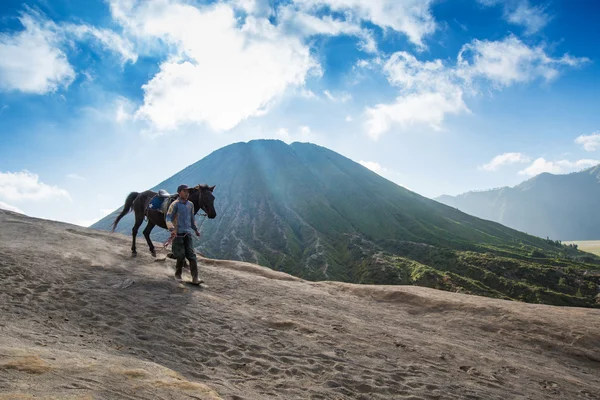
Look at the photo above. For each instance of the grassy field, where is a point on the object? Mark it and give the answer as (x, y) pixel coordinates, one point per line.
(591, 246)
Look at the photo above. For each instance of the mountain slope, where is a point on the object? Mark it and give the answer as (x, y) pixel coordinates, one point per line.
(561, 207)
(311, 212)
(82, 319)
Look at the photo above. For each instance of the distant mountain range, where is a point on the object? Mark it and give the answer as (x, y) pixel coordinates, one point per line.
(308, 211)
(563, 207)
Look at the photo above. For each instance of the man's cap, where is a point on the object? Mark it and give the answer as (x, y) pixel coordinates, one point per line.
(182, 187)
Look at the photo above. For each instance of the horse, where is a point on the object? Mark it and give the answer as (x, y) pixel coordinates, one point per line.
(201, 196)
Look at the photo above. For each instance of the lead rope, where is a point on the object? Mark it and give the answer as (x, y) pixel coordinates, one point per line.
(170, 239)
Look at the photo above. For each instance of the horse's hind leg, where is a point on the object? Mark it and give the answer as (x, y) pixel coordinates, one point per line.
(134, 232)
(147, 231)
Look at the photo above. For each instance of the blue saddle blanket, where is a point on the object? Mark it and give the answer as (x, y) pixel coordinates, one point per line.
(158, 203)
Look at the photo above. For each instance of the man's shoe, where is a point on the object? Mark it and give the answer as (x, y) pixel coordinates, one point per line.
(197, 281)
(178, 277)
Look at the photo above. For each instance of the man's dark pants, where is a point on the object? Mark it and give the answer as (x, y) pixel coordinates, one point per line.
(183, 248)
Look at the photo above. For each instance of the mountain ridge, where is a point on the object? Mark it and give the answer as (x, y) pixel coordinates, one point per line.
(556, 206)
(311, 212)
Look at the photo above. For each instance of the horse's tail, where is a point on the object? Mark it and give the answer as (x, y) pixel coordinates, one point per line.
(126, 208)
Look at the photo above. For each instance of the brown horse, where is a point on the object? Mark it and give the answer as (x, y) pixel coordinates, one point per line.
(201, 196)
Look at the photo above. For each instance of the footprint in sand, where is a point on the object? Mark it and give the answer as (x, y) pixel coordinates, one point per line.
(277, 346)
(338, 328)
(340, 352)
(39, 288)
(510, 370)
(339, 367)
(281, 325)
(588, 395)
(550, 386)
(415, 385)
(286, 360)
(274, 371)
(234, 353)
(469, 370)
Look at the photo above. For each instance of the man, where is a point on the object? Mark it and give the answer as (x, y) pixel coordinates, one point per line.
(181, 224)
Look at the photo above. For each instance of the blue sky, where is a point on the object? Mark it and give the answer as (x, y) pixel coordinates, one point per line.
(439, 96)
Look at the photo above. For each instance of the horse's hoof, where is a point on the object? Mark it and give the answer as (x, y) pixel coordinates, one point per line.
(133, 254)
(153, 253)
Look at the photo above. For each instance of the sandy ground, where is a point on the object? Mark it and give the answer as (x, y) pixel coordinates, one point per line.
(81, 319)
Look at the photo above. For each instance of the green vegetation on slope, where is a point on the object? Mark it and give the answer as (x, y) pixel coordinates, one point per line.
(532, 279)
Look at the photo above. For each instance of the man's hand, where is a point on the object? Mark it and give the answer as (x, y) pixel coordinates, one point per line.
(173, 233)
(197, 233)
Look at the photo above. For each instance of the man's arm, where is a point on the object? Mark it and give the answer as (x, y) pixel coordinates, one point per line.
(172, 216)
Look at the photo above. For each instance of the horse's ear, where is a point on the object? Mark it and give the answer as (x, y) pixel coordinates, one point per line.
(211, 188)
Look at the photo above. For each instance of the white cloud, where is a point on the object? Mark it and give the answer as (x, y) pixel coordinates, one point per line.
(305, 131)
(410, 17)
(430, 90)
(407, 111)
(18, 186)
(348, 118)
(533, 19)
(254, 7)
(218, 82)
(373, 166)
(283, 134)
(313, 25)
(124, 109)
(590, 142)
(8, 207)
(505, 159)
(342, 98)
(76, 177)
(557, 167)
(300, 134)
(109, 39)
(368, 64)
(31, 61)
(489, 3)
(509, 61)
(306, 134)
(309, 25)
(307, 94)
(521, 12)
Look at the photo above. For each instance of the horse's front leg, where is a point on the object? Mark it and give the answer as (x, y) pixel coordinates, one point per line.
(147, 231)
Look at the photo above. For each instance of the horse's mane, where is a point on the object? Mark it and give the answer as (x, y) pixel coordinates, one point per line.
(198, 189)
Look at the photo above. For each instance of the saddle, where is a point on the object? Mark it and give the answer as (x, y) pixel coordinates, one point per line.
(161, 202)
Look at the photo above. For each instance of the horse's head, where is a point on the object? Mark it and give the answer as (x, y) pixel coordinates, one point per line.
(202, 197)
